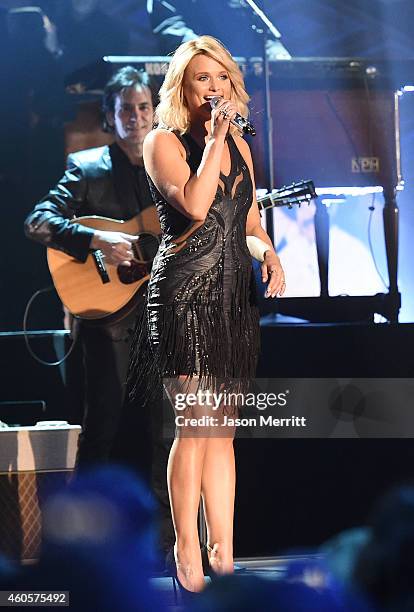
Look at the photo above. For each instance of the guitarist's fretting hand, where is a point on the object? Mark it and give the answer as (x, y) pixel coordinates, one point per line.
(116, 246)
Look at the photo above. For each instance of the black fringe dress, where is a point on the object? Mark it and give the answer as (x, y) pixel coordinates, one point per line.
(201, 318)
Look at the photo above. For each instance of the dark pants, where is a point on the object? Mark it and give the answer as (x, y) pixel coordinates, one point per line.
(105, 353)
(113, 429)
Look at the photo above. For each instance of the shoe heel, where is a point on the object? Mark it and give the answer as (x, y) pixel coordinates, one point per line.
(208, 570)
(175, 590)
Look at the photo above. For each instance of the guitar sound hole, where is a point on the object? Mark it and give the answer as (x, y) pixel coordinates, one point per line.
(133, 273)
(146, 247)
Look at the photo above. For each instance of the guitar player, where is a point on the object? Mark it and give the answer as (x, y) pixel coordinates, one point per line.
(109, 181)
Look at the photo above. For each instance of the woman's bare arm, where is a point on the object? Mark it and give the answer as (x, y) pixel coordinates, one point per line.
(272, 270)
(164, 159)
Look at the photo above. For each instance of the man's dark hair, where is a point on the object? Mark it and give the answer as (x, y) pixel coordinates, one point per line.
(123, 78)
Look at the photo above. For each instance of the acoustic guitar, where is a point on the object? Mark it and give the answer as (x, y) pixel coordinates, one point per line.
(95, 289)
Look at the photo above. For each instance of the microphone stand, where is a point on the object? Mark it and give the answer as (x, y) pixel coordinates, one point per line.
(265, 30)
(321, 217)
(321, 220)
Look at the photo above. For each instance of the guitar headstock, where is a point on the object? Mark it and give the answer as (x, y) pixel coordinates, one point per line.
(289, 195)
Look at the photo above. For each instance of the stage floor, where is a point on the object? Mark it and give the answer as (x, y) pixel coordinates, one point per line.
(271, 568)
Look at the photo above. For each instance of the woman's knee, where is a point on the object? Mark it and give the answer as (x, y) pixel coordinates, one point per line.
(220, 443)
(191, 443)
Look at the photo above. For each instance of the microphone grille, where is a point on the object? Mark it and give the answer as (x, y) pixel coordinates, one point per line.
(214, 101)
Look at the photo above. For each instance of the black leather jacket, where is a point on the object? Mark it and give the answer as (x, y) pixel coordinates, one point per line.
(97, 182)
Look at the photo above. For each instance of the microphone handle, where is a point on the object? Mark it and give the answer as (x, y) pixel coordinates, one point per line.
(238, 120)
(243, 124)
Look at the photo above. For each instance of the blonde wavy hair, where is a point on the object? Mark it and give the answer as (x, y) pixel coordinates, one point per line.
(172, 112)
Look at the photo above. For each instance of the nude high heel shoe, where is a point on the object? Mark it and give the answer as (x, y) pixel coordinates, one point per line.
(207, 568)
(187, 597)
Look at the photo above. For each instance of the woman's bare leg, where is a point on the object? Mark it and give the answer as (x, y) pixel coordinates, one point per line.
(202, 461)
(218, 489)
(184, 486)
(185, 465)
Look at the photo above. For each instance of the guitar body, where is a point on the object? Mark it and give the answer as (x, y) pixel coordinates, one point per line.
(82, 288)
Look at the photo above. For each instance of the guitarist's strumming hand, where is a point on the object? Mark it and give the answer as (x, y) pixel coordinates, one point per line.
(115, 246)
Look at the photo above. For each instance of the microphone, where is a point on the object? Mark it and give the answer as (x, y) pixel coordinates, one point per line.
(238, 120)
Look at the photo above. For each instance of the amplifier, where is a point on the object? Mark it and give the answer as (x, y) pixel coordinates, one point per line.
(32, 460)
(338, 136)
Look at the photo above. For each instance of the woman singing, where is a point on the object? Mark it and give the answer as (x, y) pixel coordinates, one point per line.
(202, 321)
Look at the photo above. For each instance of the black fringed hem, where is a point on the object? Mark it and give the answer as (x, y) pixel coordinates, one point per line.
(195, 341)
(209, 339)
